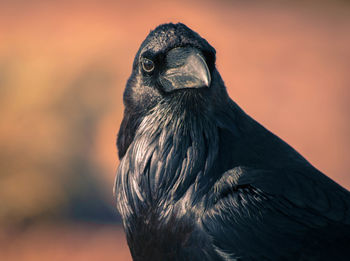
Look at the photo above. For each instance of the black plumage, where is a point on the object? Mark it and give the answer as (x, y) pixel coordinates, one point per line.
(201, 180)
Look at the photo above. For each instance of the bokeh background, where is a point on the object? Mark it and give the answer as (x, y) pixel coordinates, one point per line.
(63, 67)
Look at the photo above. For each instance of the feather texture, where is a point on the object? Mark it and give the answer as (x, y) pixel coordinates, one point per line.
(201, 180)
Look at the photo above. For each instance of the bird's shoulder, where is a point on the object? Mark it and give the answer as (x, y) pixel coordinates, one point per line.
(282, 213)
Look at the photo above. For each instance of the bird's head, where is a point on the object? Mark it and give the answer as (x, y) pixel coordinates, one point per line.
(174, 79)
(173, 62)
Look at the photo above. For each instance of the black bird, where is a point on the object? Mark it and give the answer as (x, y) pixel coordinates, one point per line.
(201, 180)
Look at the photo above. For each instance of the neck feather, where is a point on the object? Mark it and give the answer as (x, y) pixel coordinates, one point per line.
(173, 151)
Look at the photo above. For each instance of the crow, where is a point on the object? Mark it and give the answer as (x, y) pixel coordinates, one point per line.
(199, 179)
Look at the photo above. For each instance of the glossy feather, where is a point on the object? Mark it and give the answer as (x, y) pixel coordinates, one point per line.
(201, 180)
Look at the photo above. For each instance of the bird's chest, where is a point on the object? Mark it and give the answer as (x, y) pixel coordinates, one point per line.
(160, 232)
(169, 232)
(159, 193)
(161, 214)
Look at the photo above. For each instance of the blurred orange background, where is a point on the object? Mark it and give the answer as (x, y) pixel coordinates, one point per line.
(63, 68)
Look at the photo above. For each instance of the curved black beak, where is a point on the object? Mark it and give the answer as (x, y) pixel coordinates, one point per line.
(186, 68)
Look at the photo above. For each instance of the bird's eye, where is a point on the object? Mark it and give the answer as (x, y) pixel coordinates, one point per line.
(147, 65)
